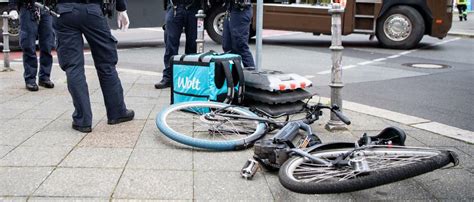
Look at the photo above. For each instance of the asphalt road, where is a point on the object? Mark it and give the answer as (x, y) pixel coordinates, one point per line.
(374, 76)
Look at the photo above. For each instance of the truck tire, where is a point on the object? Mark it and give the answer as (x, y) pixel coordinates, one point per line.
(215, 23)
(401, 27)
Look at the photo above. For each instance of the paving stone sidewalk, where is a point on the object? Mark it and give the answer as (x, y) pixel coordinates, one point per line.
(42, 158)
(462, 28)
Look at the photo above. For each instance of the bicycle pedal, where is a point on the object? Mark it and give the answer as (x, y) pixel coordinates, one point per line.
(249, 169)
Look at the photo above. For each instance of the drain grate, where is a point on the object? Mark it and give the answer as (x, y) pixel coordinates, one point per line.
(427, 65)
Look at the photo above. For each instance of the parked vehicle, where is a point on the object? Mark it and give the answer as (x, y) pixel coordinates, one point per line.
(398, 24)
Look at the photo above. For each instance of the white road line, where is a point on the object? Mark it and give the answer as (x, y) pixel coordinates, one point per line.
(152, 29)
(380, 59)
(394, 56)
(344, 67)
(365, 63)
(282, 34)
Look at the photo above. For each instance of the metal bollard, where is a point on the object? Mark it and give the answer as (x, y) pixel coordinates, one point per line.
(336, 71)
(259, 29)
(200, 31)
(6, 43)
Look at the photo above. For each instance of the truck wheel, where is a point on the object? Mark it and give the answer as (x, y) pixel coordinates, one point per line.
(215, 23)
(402, 27)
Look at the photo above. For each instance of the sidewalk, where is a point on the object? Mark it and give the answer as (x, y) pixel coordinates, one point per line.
(42, 158)
(462, 28)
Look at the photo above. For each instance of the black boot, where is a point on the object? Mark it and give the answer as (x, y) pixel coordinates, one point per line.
(460, 18)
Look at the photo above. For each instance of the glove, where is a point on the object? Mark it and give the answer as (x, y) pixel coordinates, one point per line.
(122, 20)
(13, 14)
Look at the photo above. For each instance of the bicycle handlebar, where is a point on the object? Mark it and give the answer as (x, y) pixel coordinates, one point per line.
(342, 117)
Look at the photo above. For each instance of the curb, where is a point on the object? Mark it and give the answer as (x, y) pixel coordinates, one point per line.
(416, 122)
(140, 44)
(461, 34)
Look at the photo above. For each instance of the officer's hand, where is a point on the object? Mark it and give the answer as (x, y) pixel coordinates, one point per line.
(13, 14)
(122, 20)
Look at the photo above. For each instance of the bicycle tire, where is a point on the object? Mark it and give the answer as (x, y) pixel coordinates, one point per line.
(376, 177)
(188, 136)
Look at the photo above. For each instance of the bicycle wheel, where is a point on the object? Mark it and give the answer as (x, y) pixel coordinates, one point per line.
(385, 165)
(204, 125)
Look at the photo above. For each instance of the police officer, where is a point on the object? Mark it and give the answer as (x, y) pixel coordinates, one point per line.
(180, 14)
(236, 30)
(86, 17)
(462, 9)
(34, 23)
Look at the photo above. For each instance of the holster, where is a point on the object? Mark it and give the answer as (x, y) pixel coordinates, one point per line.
(242, 4)
(108, 7)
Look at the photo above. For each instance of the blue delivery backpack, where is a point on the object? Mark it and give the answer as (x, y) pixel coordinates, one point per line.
(207, 77)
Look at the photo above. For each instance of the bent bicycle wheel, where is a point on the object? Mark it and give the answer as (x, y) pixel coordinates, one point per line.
(385, 165)
(210, 125)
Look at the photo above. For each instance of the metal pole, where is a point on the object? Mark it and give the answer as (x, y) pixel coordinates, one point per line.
(336, 70)
(6, 43)
(259, 29)
(200, 31)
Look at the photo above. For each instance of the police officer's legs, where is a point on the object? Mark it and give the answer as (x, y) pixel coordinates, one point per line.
(226, 36)
(71, 59)
(46, 42)
(104, 52)
(191, 31)
(28, 33)
(239, 28)
(174, 28)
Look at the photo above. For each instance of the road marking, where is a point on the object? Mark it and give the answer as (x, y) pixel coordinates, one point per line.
(344, 67)
(380, 59)
(392, 56)
(152, 29)
(365, 63)
(413, 121)
(272, 33)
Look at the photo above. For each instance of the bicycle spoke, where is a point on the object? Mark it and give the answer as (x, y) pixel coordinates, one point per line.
(308, 171)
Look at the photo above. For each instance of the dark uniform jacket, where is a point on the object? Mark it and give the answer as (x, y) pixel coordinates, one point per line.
(121, 5)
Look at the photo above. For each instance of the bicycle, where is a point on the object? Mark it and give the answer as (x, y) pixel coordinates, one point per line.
(307, 166)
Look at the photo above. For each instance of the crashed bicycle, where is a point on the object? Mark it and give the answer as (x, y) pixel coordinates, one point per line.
(305, 164)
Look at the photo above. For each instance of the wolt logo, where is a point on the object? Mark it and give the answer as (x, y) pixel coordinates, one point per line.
(187, 83)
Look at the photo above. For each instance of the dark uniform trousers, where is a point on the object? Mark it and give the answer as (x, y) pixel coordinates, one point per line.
(87, 19)
(176, 20)
(236, 34)
(30, 29)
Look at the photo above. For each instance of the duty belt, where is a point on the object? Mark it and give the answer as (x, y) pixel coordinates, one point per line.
(81, 1)
(185, 2)
(241, 4)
